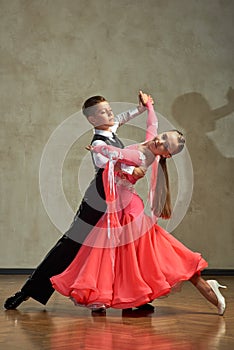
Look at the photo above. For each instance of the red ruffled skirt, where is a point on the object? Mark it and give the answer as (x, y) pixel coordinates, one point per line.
(132, 263)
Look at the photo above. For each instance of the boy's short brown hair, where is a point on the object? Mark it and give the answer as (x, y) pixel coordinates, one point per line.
(89, 103)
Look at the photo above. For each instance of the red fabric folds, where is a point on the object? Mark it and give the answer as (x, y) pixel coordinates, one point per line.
(136, 264)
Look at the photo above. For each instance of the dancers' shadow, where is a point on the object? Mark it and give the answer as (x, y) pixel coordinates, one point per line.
(194, 113)
(213, 162)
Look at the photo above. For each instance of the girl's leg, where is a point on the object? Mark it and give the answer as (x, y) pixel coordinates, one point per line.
(204, 288)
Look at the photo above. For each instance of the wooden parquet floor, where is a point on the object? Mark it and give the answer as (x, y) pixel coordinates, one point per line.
(182, 321)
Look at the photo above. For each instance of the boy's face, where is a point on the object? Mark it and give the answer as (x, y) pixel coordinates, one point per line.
(102, 117)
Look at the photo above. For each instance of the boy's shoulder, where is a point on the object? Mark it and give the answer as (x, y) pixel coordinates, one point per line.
(99, 137)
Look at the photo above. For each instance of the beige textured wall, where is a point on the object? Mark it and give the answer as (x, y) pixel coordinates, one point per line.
(56, 53)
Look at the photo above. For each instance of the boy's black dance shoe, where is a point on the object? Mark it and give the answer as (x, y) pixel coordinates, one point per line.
(13, 302)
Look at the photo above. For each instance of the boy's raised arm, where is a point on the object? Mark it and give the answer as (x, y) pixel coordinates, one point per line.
(124, 117)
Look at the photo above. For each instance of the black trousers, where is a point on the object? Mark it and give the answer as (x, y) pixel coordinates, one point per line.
(93, 206)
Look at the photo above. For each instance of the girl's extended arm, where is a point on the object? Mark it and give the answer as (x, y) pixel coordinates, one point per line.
(126, 155)
(152, 122)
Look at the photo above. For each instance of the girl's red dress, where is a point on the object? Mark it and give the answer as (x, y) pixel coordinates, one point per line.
(127, 260)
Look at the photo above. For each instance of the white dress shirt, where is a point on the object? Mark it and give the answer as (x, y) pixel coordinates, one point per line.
(120, 119)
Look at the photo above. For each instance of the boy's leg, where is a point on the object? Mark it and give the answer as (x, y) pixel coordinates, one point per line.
(38, 285)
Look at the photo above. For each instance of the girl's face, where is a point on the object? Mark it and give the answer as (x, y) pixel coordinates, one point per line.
(165, 144)
(103, 117)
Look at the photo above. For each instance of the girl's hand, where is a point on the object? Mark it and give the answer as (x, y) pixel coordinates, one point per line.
(144, 98)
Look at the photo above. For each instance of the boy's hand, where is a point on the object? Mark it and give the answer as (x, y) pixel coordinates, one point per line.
(138, 173)
(144, 98)
(141, 107)
(89, 148)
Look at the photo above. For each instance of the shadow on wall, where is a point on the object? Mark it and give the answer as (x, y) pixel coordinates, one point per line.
(209, 138)
(194, 113)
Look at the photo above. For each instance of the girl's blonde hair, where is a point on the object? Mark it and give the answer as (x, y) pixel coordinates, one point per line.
(162, 197)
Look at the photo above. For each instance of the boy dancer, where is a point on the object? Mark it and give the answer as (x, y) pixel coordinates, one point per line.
(93, 205)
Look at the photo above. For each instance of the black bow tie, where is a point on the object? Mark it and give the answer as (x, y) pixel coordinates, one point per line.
(118, 142)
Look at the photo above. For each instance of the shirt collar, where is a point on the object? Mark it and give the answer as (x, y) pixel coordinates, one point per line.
(103, 132)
